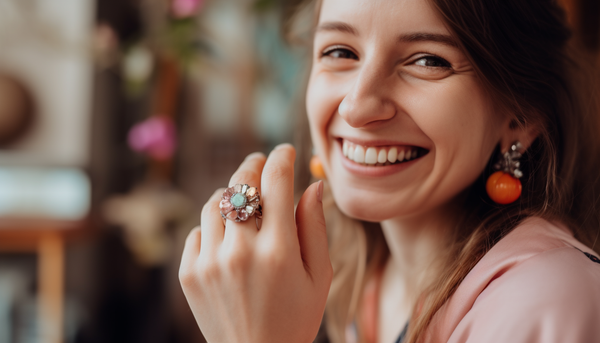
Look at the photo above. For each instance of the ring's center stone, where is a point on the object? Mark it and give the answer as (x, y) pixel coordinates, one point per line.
(238, 200)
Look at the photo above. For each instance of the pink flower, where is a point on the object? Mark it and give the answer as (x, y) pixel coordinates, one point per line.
(185, 8)
(155, 137)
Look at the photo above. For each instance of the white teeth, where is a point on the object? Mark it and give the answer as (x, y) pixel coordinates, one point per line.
(413, 154)
(401, 156)
(382, 157)
(350, 151)
(359, 154)
(377, 155)
(392, 154)
(371, 156)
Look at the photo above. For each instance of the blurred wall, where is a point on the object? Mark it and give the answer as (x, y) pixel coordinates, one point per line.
(46, 44)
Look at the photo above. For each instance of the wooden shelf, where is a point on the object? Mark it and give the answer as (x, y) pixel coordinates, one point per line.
(47, 239)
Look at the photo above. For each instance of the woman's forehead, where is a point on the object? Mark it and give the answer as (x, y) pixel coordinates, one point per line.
(391, 16)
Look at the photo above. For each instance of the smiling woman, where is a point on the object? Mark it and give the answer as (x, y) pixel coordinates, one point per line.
(405, 85)
(410, 103)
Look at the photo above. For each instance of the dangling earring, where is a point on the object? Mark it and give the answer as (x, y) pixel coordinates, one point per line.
(503, 186)
(316, 168)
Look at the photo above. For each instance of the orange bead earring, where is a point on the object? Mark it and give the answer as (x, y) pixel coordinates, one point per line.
(503, 186)
(316, 168)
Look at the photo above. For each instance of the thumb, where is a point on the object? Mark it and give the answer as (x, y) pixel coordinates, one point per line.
(312, 236)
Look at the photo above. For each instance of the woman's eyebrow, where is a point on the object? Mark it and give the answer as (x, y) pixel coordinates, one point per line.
(431, 37)
(337, 26)
(409, 37)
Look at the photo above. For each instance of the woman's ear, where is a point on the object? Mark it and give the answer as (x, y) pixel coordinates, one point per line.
(523, 133)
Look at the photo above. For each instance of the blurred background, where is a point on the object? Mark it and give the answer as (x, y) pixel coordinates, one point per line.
(118, 119)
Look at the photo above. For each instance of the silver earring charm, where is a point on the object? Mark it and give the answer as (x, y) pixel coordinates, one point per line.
(509, 161)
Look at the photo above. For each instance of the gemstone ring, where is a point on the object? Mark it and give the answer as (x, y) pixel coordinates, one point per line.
(240, 202)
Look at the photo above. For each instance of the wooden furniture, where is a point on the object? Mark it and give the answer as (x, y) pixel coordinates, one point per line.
(46, 239)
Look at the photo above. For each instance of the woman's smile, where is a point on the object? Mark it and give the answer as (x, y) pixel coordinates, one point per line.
(377, 160)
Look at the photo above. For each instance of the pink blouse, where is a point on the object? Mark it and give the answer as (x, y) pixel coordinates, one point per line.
(535, 285)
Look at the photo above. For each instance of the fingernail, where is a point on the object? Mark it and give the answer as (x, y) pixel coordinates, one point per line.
(254, 154)
(282, 145)
(320, 191)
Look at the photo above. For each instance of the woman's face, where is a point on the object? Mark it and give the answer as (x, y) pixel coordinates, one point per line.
(389, 81)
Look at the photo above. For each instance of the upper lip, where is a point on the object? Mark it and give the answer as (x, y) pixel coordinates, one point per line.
(375, 142)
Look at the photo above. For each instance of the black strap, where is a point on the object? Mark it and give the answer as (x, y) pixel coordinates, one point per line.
(402, 334)
(593, 258)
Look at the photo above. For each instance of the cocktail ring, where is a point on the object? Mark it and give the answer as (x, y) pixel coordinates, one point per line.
(240, 202)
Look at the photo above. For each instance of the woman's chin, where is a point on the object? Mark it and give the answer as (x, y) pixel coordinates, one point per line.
(364, 209)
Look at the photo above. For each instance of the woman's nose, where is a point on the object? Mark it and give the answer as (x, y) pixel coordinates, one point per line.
(367, 101)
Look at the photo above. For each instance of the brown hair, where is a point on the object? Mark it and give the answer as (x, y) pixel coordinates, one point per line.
(521, 53)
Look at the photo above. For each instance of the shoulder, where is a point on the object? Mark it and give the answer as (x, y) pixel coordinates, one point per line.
(542, 287)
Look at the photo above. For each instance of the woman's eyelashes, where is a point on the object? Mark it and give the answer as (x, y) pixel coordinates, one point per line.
(423, 61)
(432, 61)
(339, 52)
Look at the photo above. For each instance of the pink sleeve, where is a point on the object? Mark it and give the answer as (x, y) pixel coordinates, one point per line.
(551, 297)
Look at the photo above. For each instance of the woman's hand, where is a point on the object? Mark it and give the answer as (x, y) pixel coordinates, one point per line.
(268, 285)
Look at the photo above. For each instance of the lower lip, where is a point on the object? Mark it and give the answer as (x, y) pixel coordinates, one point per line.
(374, 171)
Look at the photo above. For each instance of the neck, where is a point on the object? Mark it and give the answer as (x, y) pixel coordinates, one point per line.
(415, 245)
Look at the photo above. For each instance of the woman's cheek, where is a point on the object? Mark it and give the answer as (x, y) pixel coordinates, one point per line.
(314, 108)
(446, 109)
(322, 101)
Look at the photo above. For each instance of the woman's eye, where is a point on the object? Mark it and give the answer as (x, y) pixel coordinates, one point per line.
(338, 52)
(433, 61)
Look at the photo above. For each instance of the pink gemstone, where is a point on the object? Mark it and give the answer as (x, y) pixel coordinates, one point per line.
(228, 193)
(243, 215)
(225, 206)
(232, 215)
(237, 188)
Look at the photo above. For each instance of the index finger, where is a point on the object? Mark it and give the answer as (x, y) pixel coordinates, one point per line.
(278, 190)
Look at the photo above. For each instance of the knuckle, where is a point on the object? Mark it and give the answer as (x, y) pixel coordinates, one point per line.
(274, 258)
(186, 277)
(210, 272)
(237, 262)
